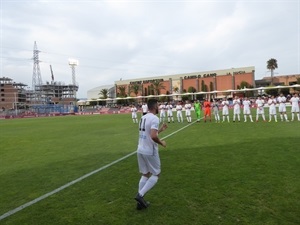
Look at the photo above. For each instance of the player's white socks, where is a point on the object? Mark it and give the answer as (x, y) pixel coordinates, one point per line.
(285, 117)
(263, 116)
(142, 182)
(281, 117)
(298, 115)
(149, 184)
(251, 118)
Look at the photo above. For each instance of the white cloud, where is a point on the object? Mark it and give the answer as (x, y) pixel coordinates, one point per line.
(132, 39)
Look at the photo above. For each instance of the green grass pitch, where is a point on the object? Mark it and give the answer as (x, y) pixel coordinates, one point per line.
(226, 173)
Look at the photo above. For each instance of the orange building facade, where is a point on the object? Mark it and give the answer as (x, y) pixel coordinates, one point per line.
(217, 80)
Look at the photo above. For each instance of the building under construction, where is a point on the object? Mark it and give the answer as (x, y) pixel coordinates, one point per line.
(43, 98)
(52, 92)
(13, 94)
(56, 93)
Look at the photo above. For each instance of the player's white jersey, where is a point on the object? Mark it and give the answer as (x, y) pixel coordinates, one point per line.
(146, 145)
(295, 104)
(246, 109)
(281, 99)
(162, 108)
(179, 108)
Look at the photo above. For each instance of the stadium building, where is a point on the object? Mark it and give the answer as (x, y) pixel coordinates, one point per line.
(207, 81)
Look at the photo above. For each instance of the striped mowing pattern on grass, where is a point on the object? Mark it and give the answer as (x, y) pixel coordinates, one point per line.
(11, 212)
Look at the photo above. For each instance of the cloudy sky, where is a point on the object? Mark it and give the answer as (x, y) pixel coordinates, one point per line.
(139, 39)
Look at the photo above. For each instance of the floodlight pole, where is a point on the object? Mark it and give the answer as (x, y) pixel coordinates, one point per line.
(73, 63)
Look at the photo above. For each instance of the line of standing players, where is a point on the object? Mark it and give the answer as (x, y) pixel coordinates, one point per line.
(213, 108)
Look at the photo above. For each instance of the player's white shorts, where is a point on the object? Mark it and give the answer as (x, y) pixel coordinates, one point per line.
(260, 110)
(282, 108)
(237, 111)
(225, 112)
(295, 109)
(162, 114)
(272, 111)
(149, 163)
(134, 115)
(187, 113)
(246, 111)
(216, 111)
(179, 114)
(170, 113)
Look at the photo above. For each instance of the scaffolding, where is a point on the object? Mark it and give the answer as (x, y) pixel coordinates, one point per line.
(57, 93)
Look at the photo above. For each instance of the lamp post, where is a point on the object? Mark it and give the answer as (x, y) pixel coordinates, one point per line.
(15, 104)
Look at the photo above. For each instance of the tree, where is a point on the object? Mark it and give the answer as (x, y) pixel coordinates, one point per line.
(203, 86)
(121, 91)
(211, 86)
(104, 93)
(176, 89)
(272, 65)
(156, 86)
(135, 88)
(244, 84)
(191, 89)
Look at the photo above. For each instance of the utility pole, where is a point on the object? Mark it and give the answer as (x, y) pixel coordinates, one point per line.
(36, 76)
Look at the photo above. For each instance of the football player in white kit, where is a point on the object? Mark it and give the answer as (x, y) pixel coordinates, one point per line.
(215, 106)
(282, 107)
(144, 108)
(260, 111)
(272, 108)
(134, 114)
(179, 112)
(236, 108)
(169, 108)
(225, 109)
(295, 106)
(147, 152)
(188, 107)
(162, 113)
(247, 109)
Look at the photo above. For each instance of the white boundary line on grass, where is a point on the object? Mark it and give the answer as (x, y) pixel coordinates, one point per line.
(11, 212)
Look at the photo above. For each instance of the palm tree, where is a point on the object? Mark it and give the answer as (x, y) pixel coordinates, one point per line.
(104, 93)
(135, 88)
(176, 89)
(122, 91)
(272, 65)
(156, 86)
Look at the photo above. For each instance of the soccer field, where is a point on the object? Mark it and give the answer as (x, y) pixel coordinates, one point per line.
(212, 173)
